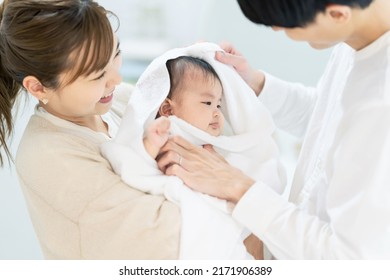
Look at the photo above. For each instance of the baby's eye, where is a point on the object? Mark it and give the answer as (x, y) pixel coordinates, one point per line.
(207, 103)
(219, 106)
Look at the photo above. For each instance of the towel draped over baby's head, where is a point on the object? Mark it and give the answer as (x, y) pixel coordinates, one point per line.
(243, 112)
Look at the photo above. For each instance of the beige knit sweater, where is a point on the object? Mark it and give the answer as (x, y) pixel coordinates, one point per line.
(79, 207)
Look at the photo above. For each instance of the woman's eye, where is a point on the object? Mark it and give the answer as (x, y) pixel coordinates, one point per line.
(101, 76)
(118, 53)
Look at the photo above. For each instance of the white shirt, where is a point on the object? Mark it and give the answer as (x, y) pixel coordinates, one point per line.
(340, 197)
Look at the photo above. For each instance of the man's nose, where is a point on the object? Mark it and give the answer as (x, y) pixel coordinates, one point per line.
(277, 28)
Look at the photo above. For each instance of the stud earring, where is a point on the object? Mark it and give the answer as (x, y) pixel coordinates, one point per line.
(44, 101)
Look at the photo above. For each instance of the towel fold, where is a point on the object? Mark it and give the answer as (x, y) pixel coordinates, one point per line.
(208, 230)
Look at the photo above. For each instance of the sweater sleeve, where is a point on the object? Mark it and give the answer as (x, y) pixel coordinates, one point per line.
(121, 222)
(81, 209)
(291, 104)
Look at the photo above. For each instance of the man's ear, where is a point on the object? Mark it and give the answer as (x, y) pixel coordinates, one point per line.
(339, 13)
(35, 87)
(166, 108)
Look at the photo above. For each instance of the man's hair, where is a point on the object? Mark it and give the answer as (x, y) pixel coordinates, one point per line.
(290, 13)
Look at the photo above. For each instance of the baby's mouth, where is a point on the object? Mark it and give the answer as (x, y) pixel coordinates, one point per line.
(215, 125)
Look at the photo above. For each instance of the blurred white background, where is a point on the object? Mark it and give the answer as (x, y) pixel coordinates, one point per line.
(148, 28)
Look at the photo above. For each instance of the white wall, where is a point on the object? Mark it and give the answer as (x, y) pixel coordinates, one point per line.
(172, 23)
(182, 22)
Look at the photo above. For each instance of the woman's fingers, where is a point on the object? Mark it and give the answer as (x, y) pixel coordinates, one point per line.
(254, 246)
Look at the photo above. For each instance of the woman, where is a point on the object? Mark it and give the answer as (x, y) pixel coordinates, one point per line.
(65, 53)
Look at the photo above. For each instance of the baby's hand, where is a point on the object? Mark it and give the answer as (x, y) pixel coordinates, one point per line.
(156, 135)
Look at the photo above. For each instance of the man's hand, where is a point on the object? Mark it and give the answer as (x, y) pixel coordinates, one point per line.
(254, 78)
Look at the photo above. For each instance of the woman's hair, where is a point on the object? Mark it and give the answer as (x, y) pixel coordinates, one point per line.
(44, 38)
(180, 66)
(290, 13)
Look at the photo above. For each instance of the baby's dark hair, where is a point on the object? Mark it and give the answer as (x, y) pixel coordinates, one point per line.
(179, 67)
(290, 13)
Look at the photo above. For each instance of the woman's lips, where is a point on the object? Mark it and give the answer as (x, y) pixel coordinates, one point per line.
(106, 99)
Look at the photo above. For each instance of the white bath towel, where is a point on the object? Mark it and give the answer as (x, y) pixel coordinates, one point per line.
(208, 231)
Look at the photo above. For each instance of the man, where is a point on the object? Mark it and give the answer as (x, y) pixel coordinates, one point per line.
(338, 206)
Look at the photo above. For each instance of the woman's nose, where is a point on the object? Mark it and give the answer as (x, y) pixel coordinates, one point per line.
(115, 78)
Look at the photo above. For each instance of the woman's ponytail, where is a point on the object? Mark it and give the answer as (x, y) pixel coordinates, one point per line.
(9, 90)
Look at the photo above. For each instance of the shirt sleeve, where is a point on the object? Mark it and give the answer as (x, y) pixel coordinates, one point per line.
(356, 200)
(291, 104)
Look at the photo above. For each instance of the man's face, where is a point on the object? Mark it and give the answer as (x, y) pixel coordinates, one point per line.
(328, 29)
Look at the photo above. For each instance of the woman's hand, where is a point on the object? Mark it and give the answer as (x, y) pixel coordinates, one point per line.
(254, 78)
(203, 170)
(254, 246)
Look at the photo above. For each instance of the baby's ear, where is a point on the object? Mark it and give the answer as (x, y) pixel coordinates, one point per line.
(166, 108)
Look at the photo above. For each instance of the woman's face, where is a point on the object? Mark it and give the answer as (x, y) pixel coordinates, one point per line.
(87, 96)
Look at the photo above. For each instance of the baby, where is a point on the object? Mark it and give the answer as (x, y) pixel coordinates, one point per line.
(195, 97)
(184, 92)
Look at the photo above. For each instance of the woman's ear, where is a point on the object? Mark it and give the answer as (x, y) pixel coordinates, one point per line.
(166, 108)
(34, 86)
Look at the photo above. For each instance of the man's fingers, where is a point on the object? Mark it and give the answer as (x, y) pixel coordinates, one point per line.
(237, 61)
(170, 146)
(211, 150)
(179, 171)
(229, 48)
(167, 159)
(183, 143)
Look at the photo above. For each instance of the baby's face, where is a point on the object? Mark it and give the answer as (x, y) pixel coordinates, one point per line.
(199, 103)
